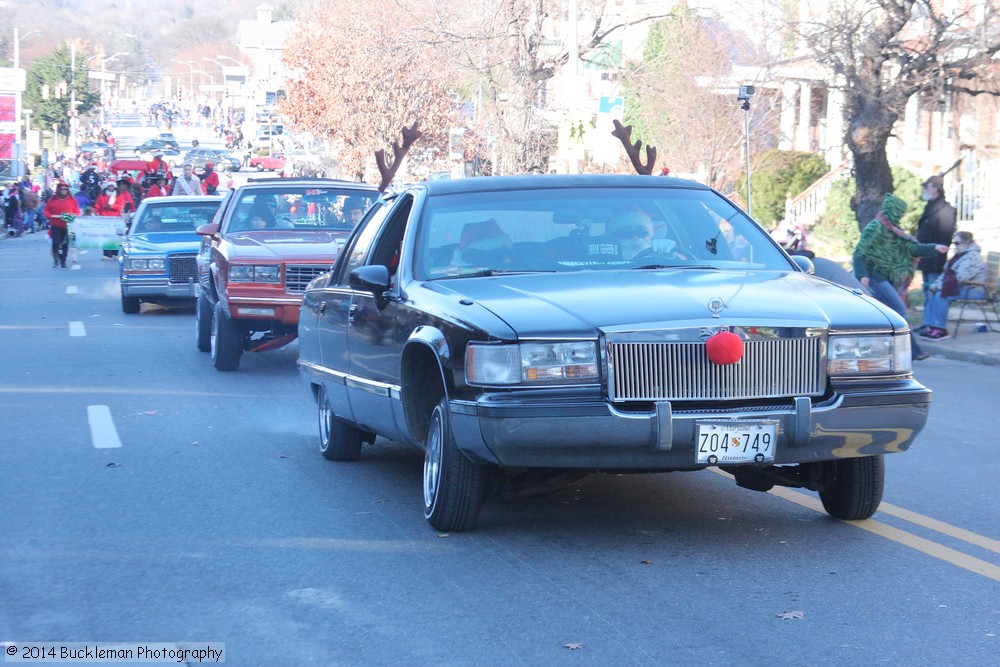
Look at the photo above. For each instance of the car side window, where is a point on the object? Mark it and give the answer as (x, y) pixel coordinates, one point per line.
(389, 245)
(357, 250)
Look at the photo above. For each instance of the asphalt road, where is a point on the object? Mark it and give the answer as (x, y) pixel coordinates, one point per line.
(216, 520)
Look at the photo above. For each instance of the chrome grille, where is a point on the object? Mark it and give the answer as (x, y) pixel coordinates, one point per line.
(769, 368)
(297, 276)
(181, 268)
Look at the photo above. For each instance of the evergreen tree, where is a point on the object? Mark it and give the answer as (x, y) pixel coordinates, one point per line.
(49, 87)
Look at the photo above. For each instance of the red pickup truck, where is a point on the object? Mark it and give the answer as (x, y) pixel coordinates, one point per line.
(268, 241)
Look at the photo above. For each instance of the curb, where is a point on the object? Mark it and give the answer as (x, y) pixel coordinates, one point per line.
(974, 356)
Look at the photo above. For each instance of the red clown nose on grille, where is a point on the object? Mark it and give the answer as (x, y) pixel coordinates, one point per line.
(724, 348)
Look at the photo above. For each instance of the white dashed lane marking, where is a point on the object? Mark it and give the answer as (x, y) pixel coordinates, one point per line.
(76, 267)
(77, 329)
(71, 289)
(103, 433)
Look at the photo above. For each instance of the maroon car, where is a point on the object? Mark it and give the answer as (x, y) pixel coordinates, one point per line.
(269, 240)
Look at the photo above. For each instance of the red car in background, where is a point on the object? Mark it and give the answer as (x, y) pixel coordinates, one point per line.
(273, 162)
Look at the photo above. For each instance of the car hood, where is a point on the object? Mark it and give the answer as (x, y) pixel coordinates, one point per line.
(163, 242)
(571, 304)
(287, 244)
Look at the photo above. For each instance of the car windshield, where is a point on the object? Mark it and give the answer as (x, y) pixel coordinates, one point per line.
(570, 229)
(301, 208)
(184, 218)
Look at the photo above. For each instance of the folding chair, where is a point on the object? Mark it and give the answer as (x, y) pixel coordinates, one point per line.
(990, 303)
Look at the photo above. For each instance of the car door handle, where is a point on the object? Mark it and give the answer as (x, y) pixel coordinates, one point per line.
(322, 307)
(350, 313)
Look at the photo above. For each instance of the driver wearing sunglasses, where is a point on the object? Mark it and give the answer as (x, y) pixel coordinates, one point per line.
(632, 231)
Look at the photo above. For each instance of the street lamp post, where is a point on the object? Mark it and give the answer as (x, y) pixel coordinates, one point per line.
(104, 84)
(222, 71)
(190, 73)
(242, 78)
(16, 162)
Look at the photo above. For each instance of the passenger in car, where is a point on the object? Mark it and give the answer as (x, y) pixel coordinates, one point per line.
(483, 244)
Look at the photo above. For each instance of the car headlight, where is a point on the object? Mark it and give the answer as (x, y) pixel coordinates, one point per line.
(254, 273)
(868, 354)
(147, 264)
(532, 363)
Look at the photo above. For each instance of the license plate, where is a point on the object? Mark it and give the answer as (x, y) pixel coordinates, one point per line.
(728, 442)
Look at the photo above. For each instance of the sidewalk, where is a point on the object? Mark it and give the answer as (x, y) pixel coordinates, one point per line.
(979, 348)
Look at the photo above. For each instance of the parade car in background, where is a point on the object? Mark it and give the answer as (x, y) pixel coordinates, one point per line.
(537, 325)
(171, 157)
(270, 239)
(97, 149)
(272, 162)
(151, 145)
(221, 160)
(158, 257)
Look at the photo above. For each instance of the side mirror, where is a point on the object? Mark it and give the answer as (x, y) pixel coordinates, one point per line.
(208, 229)
(374, 279)
(804, 263)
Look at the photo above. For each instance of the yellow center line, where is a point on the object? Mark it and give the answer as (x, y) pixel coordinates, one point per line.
(923, 545)
(941, 527)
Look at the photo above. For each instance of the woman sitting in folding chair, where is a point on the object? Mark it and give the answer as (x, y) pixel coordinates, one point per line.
(965, 268)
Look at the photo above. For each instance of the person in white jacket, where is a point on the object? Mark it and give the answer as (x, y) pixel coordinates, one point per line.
(965, 268)
(187, 183)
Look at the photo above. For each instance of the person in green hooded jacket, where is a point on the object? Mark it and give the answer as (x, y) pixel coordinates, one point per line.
(883, 259)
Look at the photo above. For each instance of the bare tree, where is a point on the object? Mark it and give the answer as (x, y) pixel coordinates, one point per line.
(881, 53)
(358, 76)
(509, 50)
(681, 97)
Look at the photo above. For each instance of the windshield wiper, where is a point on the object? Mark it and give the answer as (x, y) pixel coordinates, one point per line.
(486, 273)
(676, 266)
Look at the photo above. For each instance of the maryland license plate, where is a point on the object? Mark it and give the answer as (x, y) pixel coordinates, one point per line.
(729, 442)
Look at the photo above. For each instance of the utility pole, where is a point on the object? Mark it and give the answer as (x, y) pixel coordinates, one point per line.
(72, 94)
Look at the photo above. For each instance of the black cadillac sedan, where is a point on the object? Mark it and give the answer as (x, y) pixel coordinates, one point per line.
(520, 326)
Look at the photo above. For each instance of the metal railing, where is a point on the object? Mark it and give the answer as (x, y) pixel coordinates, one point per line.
(808, 206)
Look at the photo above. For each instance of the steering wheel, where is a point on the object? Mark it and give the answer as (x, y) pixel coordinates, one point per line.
(651, 254)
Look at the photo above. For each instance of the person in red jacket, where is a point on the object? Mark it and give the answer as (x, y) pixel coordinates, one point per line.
(158, 166)
(209, 180)
(60, 204)
(158, 188)
(111, 203)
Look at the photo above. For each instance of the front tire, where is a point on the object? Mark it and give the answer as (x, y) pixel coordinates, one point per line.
(853, 487)
(130, 304)
(203, 324)
(454, 486)
(227, 341)
(338, 440)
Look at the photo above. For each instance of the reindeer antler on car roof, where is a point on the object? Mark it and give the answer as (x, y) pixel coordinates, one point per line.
(410, 134)
(624, 133)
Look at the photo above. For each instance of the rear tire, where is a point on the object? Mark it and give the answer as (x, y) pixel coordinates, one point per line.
(338, 440)
(454, 486)
(203, 324)
(130, 304)
(227, 341)
(260, 166)
(853, 487)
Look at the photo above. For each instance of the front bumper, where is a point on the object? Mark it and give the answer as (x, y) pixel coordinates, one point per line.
(562, 432)
(158, 287)
(283, 309)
